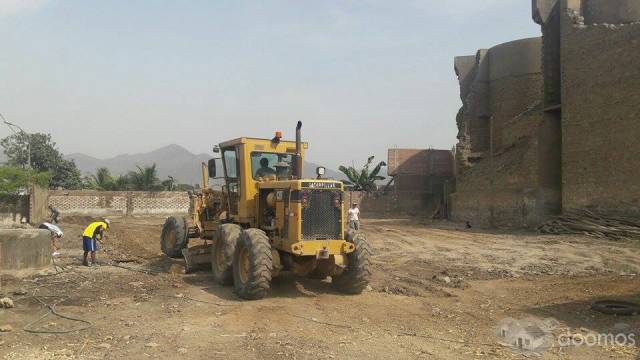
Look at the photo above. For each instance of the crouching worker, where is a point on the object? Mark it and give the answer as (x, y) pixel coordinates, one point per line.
(56, 235)
(91, 234)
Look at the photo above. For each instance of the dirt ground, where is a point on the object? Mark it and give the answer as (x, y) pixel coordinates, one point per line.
(439, 291)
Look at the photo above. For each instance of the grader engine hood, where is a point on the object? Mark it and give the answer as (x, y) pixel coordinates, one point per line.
(312, 222)
(321, 219)
(321, 210)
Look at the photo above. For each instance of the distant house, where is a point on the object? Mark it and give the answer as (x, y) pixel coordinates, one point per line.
(419, 169)
(422, 175)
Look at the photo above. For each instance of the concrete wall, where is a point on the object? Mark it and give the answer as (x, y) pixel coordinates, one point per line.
(24, 248)
(123, 203)
(601, 111)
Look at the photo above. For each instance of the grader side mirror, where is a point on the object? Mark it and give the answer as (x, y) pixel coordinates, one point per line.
(211, 166)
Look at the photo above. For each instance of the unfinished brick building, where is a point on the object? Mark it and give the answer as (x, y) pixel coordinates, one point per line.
(552, 123)
(421, 178)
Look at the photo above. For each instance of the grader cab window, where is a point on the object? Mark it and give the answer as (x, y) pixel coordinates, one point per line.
(231, 163)
(270, 165)
(230, 157)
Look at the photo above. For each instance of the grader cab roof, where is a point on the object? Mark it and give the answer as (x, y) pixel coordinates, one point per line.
(246, 140)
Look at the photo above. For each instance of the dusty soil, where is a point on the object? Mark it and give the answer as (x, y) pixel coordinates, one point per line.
(439, 291)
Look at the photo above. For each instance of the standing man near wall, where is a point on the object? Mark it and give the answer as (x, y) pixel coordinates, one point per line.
(354, 217)
(91, 234)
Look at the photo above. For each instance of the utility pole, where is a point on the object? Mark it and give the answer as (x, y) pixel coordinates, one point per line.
(26, 135)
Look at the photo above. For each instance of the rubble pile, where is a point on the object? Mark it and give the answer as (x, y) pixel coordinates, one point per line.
(587, 223)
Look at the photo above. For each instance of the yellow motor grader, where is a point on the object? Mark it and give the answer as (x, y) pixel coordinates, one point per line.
(267, 218)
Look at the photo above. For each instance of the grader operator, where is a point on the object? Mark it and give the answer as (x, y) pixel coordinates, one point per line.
(267, 219)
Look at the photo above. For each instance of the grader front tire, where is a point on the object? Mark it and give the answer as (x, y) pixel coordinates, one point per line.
(252, 265)
(222, 254)
(174, 236)
(355, 278)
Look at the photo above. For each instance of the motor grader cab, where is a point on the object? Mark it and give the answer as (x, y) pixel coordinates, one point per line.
(267, 218)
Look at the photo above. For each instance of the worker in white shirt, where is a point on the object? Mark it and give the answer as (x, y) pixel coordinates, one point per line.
(56, 234)
(354, 217)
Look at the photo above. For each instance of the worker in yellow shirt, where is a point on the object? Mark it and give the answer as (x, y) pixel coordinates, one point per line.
(92, 233)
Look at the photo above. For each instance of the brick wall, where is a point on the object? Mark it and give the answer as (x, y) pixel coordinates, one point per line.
(424, 162)
(391, 203)
(103, 203)
(506, 106)
(500, 184)
(601, 118)
(505, 190)
(572, 145)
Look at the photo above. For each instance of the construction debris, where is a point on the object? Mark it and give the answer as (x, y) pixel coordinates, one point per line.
(587, 223)
(6, 328)
(6, 303)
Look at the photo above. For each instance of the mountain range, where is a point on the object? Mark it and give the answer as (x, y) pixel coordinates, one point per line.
(173, 160)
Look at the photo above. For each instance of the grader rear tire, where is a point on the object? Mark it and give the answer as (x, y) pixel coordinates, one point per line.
(222, 254)
(252, 265)
(174, 236)
(355, 278)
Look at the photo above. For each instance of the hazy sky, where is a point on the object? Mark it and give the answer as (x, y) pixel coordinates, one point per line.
(111, 77)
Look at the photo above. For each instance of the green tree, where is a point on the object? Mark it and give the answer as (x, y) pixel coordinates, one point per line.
(65, 174)
(145, 179)
(43, 152)
(169, 184)
(183, 187)
(363, 180)
(44, 158)
(89, 183)
(103, 179)
(122, 183)
(13, 179)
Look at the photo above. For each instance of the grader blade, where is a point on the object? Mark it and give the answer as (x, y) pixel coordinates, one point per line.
(197, 257)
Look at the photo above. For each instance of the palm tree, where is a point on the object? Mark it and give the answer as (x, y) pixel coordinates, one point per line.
(122, 183)
(363, 180)
(103, 179)
(145, 179)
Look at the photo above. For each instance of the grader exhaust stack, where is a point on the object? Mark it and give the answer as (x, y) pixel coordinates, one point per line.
(298, 160)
